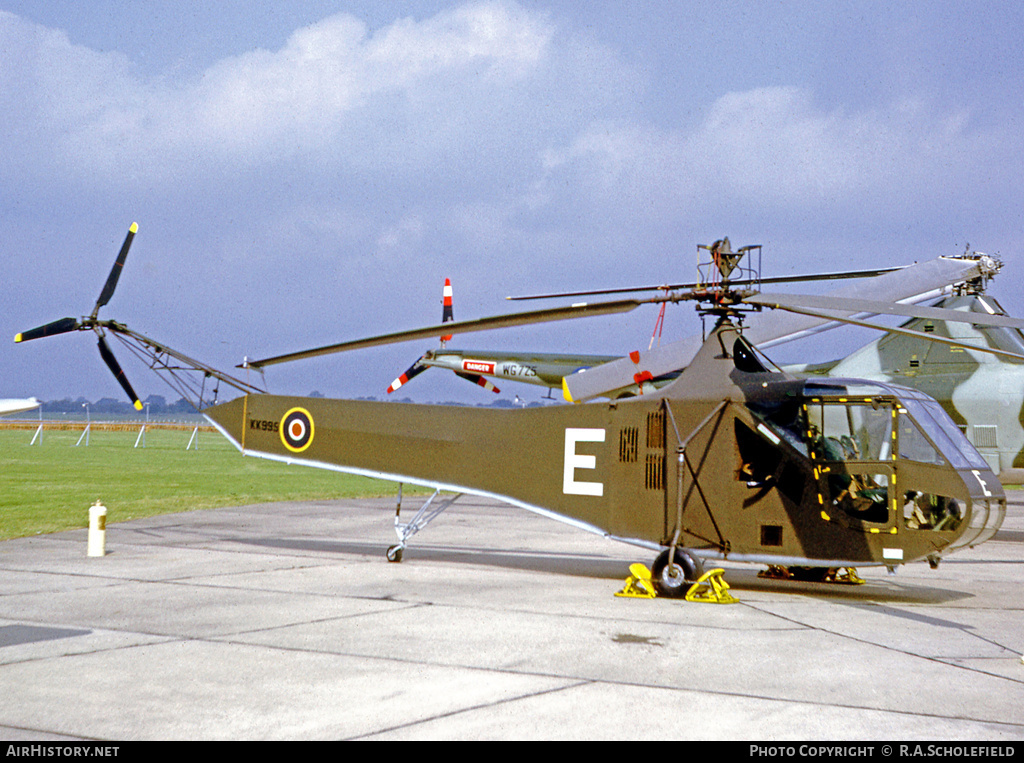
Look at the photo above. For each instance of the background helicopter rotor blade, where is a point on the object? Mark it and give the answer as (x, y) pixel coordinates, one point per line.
(447, 311)
(480, 381)
(115, 368)
(63, 326)
(115, 272)
(410, 373)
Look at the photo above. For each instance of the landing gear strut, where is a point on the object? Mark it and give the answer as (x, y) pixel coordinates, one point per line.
(426, 514)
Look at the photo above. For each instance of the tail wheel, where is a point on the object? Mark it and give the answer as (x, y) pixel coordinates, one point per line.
(675, 580)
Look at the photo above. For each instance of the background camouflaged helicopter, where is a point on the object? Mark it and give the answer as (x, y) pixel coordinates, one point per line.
(982, 391)
(731, 460)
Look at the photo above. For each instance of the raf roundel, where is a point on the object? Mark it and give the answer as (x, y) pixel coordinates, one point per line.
(297, 430)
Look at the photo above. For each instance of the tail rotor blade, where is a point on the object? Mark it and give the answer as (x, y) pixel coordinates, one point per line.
(115, 368)
(115, 272)
(480, 381)
(63, 326)
(412, 372)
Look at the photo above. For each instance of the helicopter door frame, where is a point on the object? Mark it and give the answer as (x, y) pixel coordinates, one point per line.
(854, 486)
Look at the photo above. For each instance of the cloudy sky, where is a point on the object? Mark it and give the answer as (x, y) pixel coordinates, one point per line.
(308, 172)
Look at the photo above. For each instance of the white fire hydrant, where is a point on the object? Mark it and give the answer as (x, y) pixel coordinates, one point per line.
(97, 529)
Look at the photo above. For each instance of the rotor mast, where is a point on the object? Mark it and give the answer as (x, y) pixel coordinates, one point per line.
(718, 269)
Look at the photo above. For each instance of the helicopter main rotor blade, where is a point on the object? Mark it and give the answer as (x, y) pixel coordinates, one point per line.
(741, 282)
(115, 368)
(465, 327)
(63, 326)
(115, 272)
(874, 307)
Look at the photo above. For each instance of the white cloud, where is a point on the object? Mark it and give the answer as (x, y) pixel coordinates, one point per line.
(777, 143)
(486, 105)
(333, 92)
(51, 90)
(778, 148)
(331, 77)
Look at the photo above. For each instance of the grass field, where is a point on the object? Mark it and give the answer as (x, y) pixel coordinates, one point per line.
(50, 487)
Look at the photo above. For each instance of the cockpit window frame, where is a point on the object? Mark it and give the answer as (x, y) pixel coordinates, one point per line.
(934, 423)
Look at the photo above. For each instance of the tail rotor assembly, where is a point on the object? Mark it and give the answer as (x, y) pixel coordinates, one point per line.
(92, 322)
(166, 361)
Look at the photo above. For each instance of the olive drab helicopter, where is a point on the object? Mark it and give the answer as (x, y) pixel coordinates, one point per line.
(734, 459)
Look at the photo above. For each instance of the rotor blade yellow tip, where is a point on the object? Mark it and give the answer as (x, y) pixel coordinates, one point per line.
(565, 391)
(138, 405)
(134, 228)
(17, 337)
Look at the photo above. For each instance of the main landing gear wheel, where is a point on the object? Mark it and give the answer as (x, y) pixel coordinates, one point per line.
(394, 553)
(675, 580)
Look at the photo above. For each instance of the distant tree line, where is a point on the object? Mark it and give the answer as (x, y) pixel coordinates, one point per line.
(158, 405)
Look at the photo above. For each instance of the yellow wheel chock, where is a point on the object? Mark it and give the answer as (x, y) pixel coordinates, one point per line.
(833, 575)
(845, 576)
(710, 588)
(638, 584)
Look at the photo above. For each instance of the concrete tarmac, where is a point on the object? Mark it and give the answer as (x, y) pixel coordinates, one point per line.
(285, 621)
